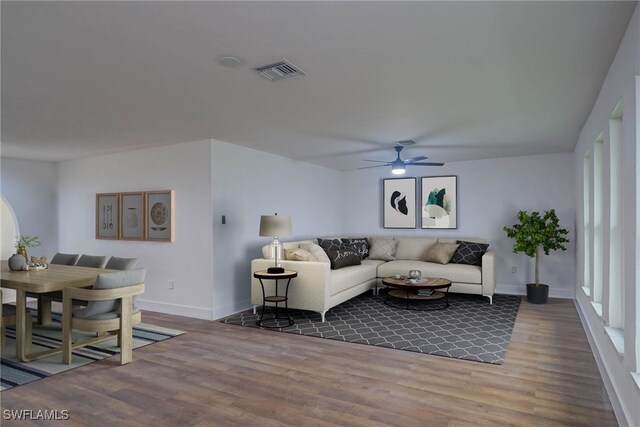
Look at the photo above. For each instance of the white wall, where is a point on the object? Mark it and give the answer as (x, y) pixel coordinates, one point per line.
(30, 187)
(184, 168)
(490, 193)
(621, 83)
(248, 183)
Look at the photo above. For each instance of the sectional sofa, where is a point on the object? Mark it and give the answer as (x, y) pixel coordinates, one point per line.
(319, 288)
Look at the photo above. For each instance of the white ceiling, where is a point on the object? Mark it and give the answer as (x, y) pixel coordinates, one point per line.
(466, 80)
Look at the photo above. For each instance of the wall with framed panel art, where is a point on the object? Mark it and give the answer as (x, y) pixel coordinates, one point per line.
(135, 215)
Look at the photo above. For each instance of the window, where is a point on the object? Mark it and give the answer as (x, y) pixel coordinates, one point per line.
(598, 232)
(586, 201)
(616, 288)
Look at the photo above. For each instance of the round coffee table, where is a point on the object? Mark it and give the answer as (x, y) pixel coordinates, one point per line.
(410, 294)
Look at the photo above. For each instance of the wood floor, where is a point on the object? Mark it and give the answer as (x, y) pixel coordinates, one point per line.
(224, 375)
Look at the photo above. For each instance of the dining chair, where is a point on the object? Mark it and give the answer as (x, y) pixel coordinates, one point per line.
(116, 263)
(64, 259)
(44, 300)
(91, 261)
(111, 311)
(8, 318)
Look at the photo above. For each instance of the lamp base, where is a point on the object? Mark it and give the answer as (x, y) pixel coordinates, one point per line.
(275, 270)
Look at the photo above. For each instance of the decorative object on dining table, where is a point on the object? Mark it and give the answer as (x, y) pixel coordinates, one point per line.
(24, 242)
(17, 262)
(274, 226)
(399, 203)
(38, 263)
(107, 208)
(159, 216)
(132, 218)
(439, 202)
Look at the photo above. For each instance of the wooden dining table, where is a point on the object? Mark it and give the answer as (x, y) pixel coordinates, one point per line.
(54, 278)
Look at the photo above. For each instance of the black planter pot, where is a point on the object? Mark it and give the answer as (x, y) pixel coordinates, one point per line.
(537, 294)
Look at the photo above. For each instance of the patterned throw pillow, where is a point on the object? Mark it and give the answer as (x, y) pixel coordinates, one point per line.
(330, 244)
(469, 253)
(316, 251)
(343, 257)
(441, 253)
(298, 255)
(360, 245)
(383, 249)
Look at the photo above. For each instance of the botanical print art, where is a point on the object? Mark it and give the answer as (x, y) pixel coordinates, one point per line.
(439, 202)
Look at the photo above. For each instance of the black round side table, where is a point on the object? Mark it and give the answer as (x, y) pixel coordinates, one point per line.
(277, 299)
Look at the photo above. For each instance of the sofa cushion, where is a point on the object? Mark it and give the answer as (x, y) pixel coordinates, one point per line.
(316, 251)
(383, 248)
(361, 245)
(330, 244)
(285, 245)
(348, 277)
(441, 252)
(413, 247)
(469, 253)
(343, 258)
(298, 255)
(455, 272)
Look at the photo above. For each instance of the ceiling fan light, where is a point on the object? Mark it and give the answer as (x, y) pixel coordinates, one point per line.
(397, 167)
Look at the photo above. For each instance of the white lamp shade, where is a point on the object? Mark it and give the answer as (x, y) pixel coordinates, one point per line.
(275, 225)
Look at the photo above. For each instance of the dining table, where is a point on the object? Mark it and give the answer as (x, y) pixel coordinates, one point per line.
(54, 278)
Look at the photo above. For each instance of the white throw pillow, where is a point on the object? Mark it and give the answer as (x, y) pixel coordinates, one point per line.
(316, 252)
(383, 249)
(298, 255)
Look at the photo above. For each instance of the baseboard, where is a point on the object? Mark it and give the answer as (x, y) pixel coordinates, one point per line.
(175, 309)
(618, 409)
(522, 290)
(228, 310)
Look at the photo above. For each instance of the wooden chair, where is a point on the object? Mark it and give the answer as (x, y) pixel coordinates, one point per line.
(8, 318)
(44, 300)
(110, 312)
(116, 263)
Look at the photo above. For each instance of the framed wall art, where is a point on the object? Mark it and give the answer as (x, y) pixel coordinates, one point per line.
(132, 216)
(159, 216)
(107, 213)
(399, 203)
(439, 204)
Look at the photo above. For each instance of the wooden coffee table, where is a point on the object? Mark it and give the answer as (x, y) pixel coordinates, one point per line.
(408, 293)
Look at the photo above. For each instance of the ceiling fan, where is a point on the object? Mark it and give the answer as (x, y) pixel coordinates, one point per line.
(399, 166)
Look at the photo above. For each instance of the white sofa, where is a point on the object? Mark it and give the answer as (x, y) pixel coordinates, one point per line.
(319, 288)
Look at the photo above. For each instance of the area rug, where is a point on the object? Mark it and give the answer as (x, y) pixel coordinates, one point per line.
(14, 373)
(470, 328)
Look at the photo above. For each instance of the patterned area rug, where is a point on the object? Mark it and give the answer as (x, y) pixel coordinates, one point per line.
(470, 329)
(14, 373)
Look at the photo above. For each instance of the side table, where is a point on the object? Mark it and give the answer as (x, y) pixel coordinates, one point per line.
(276, 298)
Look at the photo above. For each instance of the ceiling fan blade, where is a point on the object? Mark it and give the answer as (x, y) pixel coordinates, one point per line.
(416, 159)
(376, 166)
(377, 161)
(426, 164)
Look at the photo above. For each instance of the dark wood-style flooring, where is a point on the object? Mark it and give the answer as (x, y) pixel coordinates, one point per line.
(224, 375)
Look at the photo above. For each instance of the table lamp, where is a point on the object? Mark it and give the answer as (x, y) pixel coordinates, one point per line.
(274, 226)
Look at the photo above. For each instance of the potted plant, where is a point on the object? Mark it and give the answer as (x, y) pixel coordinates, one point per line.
(534, 233)
(25, 242)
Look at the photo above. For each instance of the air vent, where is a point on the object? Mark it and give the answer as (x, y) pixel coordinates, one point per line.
(279, 70)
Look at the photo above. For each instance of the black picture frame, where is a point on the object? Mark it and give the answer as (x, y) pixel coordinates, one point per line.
(399, 203)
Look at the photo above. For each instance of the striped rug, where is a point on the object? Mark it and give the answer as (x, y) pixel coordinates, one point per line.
(14, 373)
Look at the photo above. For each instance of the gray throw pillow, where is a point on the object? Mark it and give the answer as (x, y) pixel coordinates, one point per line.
(441, 253)
(360, 245)
(383, 249)
(118, 279)
(343, 257)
